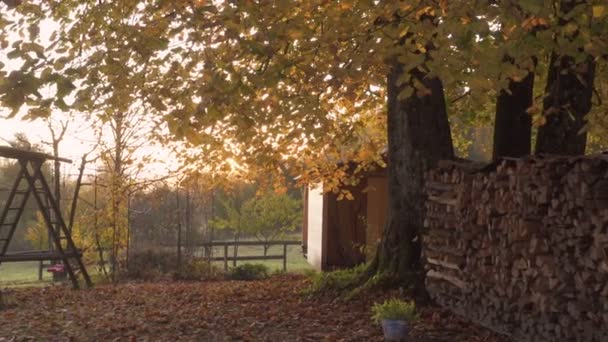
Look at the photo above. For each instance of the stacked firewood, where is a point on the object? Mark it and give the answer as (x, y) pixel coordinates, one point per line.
(521, 246)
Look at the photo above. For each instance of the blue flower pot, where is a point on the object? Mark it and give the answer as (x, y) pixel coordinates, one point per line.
(394, 330)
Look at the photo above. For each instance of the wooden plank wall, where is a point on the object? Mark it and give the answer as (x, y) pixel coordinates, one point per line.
(345, 225)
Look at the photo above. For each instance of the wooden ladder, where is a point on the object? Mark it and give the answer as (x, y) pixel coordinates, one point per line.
(30, 181)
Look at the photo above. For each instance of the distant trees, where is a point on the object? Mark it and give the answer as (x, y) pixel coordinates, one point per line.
(37, 233)
(267, 216)
(233, 214)
(273, 216)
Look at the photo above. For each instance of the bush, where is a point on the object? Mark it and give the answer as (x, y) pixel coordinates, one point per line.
(394, 309)
(249, 272)
(198, 269)
(151, 265)
(340, 280)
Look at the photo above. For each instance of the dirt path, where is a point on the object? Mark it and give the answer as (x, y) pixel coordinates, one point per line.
(271, 310)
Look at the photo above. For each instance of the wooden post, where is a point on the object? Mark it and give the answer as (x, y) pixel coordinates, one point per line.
(284, 257)
(226, 257)
(236, 252)
(128, 228)
(179, 231)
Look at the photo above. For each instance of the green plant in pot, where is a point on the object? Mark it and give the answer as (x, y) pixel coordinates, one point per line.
(394, 315)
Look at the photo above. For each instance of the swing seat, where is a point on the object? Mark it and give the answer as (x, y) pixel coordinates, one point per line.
(57, 268)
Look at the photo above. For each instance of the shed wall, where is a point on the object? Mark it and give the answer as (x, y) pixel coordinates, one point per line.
(314, 221)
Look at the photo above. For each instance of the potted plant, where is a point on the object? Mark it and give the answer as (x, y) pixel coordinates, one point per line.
(394, 315)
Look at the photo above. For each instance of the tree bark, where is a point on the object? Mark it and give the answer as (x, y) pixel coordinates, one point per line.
(513, 123)
(12, 3)
(418, 137)
(567, 96)
(567, 102)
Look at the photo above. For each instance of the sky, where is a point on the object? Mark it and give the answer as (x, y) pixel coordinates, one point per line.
(76, 142)
(79, 138)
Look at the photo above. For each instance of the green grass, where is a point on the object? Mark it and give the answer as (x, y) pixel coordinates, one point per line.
(296, 263)
(21, 273)
(26, 273)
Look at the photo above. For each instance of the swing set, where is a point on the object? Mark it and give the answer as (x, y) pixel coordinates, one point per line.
(31, 181)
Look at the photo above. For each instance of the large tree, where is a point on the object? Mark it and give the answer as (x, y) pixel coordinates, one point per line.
(570, 83)
(268, 87)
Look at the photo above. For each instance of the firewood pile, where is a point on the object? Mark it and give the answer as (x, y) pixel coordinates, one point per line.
(521, 246)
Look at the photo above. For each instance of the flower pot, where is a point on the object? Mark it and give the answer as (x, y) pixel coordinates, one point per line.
(394, 330)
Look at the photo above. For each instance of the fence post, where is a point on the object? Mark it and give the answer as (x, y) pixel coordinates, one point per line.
(284, 257)
(235, 249)
(226, 257)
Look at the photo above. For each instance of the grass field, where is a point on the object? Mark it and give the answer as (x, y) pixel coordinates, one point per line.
(26, 273)
(19, 273)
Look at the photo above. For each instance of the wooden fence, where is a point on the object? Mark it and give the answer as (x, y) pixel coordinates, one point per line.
(235, 244)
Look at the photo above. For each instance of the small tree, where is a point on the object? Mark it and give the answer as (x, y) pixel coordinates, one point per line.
(266, 217)
(272, 216)
(233, 218)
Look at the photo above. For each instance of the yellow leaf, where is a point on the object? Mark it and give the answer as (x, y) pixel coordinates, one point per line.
(420, 48)
(426, 11)
(533, 22)
(541, 121)
(346, 5)
(405, 7)
(570, 28)
(295, 34)
(598, 11)
(444, 6)
(534, 109)
(404, 32)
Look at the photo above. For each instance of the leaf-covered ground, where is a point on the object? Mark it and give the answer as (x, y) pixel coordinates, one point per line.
(270, 310)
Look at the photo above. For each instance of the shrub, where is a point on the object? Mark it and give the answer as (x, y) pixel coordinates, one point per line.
(249, 272)
(197, 269)
(339, 280)
(151, 265)
(394, 309)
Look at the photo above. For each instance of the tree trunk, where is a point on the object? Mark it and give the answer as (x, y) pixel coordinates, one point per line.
(179, 230)
(513, 124)
(567, 96)
(102, 262)
(57, 192)
(418, 137)
(567, 101)
(118, 128)
(12, 3)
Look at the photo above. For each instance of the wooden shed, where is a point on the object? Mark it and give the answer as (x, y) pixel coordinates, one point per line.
(344, 233)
